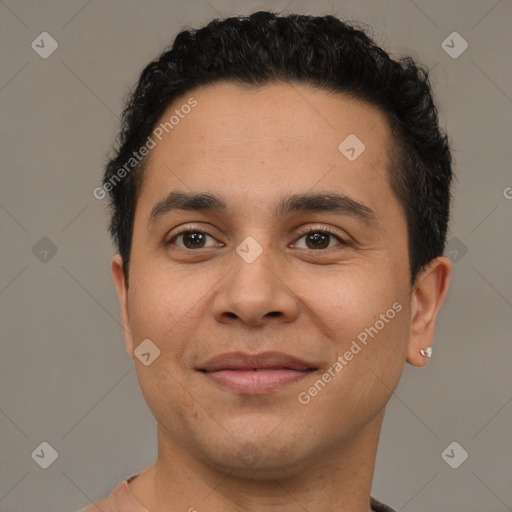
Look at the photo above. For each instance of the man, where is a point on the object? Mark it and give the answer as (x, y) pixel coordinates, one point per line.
(280, 198)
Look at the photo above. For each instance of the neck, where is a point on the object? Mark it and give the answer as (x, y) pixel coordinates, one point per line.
(338, 480)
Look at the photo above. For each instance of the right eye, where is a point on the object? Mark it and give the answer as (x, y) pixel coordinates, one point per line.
(191, 239)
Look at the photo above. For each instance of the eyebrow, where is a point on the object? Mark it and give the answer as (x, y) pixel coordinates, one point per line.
(296, 203)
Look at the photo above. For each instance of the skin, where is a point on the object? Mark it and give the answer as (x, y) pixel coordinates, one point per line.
(255, 146)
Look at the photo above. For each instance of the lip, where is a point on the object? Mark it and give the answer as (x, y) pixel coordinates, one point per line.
(255, 373)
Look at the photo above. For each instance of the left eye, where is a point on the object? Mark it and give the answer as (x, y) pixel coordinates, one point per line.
(319, 240)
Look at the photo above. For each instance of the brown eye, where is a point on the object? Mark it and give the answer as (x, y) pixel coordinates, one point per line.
(317, 239)
(191, 239)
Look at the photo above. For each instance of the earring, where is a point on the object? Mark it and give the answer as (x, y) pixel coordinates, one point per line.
(427, 352)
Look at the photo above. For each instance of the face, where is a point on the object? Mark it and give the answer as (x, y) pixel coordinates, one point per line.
(283, 322)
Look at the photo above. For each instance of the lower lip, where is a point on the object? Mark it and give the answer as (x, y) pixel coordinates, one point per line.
(256, 382)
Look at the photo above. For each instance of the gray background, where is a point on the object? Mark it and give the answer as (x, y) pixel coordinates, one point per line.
(65, 377)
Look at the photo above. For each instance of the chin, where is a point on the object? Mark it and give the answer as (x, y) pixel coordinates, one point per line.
(255, 458)
(265, 468)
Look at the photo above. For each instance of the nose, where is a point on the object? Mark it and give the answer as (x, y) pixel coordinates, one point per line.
(255, 293)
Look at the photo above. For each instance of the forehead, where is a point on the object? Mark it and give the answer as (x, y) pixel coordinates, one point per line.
(228, 115)
(256, 142)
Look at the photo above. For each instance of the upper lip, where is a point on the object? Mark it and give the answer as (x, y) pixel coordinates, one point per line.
(263, 360)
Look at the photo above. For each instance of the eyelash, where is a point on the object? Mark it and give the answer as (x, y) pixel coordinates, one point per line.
(197, 229)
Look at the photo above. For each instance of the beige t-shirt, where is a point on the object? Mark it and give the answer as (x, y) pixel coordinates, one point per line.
(121, 499)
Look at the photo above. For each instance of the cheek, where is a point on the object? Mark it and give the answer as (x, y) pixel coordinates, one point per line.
(373, 354)
(351, 298)
(160, 309)
(165, 392)
(367, 322)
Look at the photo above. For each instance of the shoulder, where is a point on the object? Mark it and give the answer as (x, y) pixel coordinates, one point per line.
(120, 499)
(378, 506)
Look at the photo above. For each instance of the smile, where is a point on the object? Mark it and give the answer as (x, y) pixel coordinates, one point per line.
(254, 374)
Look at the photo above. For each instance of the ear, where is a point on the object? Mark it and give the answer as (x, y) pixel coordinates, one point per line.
(429, 291)
(116, 267)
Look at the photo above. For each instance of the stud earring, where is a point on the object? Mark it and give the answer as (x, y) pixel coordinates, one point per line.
(426, 352)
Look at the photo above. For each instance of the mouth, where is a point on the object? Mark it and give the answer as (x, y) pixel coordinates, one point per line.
(254, 374)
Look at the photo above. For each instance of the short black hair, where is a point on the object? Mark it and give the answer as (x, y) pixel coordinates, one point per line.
(321, 51)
